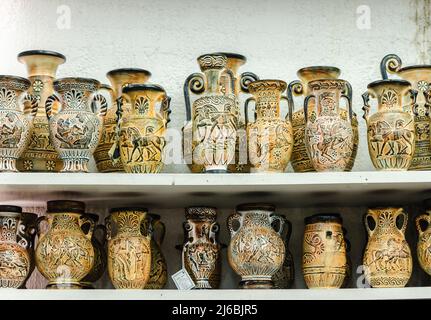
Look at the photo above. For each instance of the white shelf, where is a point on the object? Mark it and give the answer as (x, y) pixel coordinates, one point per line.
(225, 295)
(222, 190)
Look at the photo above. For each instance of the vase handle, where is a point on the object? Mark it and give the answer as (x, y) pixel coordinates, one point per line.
(114, 152)
(194, 83)
(103, 231)
(348, 94)
(422, 217)
(391, 63)
(281, 220)
(245, 79)
(83, 220)
(52, 105)
(295, 88)
(162, 227)
(108, 225)
(99, 105)
(230, 220)
(39, 221)
(30, 104)
(289, 109)
(21, 235)
(427, 95)
(370, 232)
(405, 219)
(246, 103)
(306, 101)
(165, 109)
(366, 108)
(413, 95)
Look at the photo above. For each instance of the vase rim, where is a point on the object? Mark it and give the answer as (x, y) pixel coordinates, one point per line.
(16, 78)
(326, 80)
(255, 206)
(77, 79)
(232, 55)
(128, 70)
(10, 209)
(281, 83)
(41, 53)
(29, 214)
(142, 86)
(65, 206)
(119, 209)
(324, 217)
(416, 66)
(388, 81)
(105, 86)
(314, 68)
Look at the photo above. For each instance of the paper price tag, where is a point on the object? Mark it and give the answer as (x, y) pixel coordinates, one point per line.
(182, 280)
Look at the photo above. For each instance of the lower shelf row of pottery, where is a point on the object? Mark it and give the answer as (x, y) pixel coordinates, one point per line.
(71, 250)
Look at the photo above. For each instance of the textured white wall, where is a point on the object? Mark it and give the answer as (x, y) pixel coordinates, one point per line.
(165, 37)
(278, 37)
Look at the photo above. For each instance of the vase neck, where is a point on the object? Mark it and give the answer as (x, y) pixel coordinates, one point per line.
(65, 221)
(213, 81)
(268, 103)
(256, 218)
(9, 227)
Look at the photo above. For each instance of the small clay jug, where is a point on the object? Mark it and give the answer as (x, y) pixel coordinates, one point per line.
(423, 226)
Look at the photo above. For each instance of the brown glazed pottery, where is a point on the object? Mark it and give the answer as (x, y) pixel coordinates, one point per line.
(75, 112)
(129, 250)
(391, 130)
(119, 78)
(64, 253)
(423, 225)
(29, 226)
(329, 139)
(270, 138)
(17, 110)
(256, 251)
(300, 160)
(285, 276)
(40, 154)
(240, 85)
(14, 258)
(387, 258)
(201, 255)
(159, 271)
(324, 261)
(210, 134)
(140, 135)
(98, 240)
(419, 77)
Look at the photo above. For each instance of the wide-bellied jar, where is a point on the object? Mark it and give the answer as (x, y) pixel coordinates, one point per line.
(40, 154)
(64, 253)
(391, 130)
(270, 137)
(201, 255)
(300, 160)
(324, 261)
(328, 136)
(119, 78)
(210, 133)
(423, 226)
(98, 240)
(14, 258)
(129, 249)
(17, 110)
(231, 83)
(141, 128)
(256, 251)
(29, 227)
(159, 269)
(387, 258)
(419, 77)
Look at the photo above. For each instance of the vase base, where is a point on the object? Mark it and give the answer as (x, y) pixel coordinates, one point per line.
(256, 284)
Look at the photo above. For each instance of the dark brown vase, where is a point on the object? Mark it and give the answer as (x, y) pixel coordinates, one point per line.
(98, 240)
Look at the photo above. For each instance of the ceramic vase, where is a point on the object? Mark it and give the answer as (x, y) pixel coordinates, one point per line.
(40, 154)
(423, 226)
(270, 137)
(17, 110)
(300, 160)
(324, 260)
(159, 271)
(75, 112)
(129, 251)
(98, 240)
(14, 258)
(119, 78)
(391, 130)
(387, 258)
(201, 255)
(328, 136)
(64, 253)
(256, 251)
(419, 77)
(141, 128)
(210, 134)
